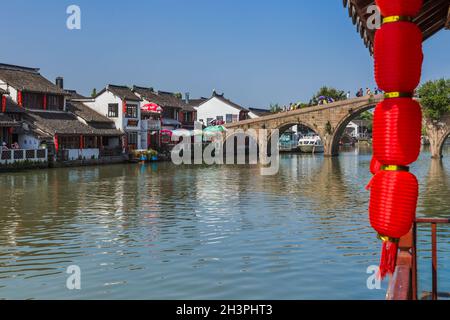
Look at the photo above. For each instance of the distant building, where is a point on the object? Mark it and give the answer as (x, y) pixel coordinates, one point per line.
(121, 105)
(221, 109)
(359, 129)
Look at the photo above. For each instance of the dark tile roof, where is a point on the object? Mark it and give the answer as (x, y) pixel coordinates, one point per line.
(27, 79)
(75, 95)
(123, 92)
(63, 123)
(260, 112)
(7, 121)
(431, 19)
(87, 114)
(161, 98)
(3, 91)
(222, 98)
(196, 102)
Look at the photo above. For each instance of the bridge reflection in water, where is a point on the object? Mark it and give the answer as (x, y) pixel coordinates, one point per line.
(162, 231)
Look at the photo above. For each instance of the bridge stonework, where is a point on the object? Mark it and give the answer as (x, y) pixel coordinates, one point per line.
(438, 132)
(329, 122)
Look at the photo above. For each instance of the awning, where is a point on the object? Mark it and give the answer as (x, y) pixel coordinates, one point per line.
(152, 108)
(170, 122)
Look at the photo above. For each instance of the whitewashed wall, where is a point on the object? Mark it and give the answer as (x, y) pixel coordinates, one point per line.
(214, 108)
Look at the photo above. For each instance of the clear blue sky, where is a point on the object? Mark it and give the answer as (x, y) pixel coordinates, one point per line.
(256, 51)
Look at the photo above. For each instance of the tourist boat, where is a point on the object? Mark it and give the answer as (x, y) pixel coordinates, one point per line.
(311, 144)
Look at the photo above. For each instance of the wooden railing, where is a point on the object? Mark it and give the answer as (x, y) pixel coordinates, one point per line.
(404, 283)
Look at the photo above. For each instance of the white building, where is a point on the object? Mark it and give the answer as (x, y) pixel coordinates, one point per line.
(121, 105)
(358, 129)
(221, 109)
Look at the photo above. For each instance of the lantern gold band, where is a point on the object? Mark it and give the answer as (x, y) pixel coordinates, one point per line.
(386, 239)
(392, 19)
(392, 95)
(394, 168)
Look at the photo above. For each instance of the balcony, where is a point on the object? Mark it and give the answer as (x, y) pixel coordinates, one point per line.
(151, 125)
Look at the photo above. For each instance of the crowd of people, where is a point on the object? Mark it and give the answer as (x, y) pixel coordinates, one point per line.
(368, 92)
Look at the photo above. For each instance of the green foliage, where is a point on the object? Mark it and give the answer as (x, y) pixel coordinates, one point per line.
(328, 92)
(275, 108)
(94, 93)
(178, 95)
(435, 98)
(328, 128)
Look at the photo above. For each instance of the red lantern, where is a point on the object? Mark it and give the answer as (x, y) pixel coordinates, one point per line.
(398, 57)
(410, 8)
(55, 141)
(397, 129)
(19, 98)
(3, 104)
(124, 106)
(392, 211)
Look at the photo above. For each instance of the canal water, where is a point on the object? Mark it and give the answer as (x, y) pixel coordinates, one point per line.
(197, 232)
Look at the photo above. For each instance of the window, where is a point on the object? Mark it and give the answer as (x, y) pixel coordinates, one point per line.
(219, 118)
(113, 110)
(235, 118)
(132, 138)
(229, 118)
(131, 111)
(208, 121)
(55, 102)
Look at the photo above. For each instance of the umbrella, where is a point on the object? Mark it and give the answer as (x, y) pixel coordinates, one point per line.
(152, 107)
(181, 133)
(215, 129)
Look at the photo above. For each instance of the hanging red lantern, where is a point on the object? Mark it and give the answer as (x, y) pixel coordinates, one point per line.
(398, 57)
(409, 8)
(19, 98)
(124, 106)
(397, 129)
(392, 211)
(56, 143)
(3, 104)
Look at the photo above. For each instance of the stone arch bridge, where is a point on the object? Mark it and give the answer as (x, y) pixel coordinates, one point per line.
(329, 122)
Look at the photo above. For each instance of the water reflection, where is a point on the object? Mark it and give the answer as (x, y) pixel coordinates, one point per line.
(160, 231)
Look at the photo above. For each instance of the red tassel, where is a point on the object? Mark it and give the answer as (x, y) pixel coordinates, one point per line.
(388, 259)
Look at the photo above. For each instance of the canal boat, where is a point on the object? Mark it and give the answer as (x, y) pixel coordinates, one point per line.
(311, 144)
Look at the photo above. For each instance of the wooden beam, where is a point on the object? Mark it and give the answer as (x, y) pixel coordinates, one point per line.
(447, 24)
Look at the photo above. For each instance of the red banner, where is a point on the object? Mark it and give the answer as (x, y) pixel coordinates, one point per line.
(81, 142)
(45, 102)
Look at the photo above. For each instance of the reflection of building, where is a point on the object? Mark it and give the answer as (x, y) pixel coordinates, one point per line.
(359, 129)
(122, 106)
(221, 109)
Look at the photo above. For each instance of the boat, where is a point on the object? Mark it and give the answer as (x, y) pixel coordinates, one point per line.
(311, 144)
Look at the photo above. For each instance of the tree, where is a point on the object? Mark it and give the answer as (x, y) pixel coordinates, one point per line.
(328, 92)
(94, 93)
(275, 108)
(435, 98)
(178, 95)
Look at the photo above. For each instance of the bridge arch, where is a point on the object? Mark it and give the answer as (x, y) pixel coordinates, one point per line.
(442, 142)
(342, 125)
